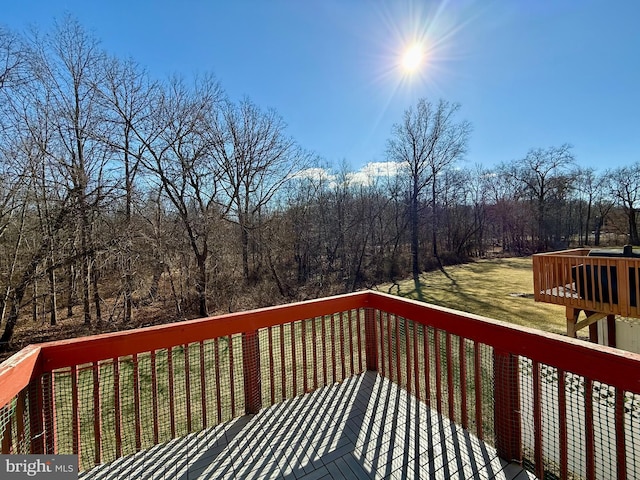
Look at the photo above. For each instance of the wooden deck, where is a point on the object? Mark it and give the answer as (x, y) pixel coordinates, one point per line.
(365, 428)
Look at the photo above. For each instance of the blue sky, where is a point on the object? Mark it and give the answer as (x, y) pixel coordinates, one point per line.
(528, 74)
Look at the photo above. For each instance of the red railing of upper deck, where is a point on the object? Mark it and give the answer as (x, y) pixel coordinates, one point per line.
(561, 406)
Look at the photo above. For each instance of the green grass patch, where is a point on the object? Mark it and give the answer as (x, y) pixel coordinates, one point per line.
(499, 288)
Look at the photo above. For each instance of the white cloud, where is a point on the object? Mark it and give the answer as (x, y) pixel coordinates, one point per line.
(314, 173)
(372, 170)
(367, 175)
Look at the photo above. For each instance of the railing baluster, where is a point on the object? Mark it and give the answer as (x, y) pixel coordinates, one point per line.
(187, 384)
(232, 377)
(314, 346)
(437, 354)
(75, 419)
(588, 426)
(342, 355)
(359, 334)
(305, 370)
(116, 407)
(371, 340)
(621, 449)
(216, 361)
(97, 414)
(271, 366)
(333, 349)
(427, 369)
(398, 353)
(203, 384)
(136, 402)
(477, 381)
(389, 346)
(450, 388)
(283, 372)
(172, 405)
(463, 382)
(383, 356)
(416, 371)
(562, 416)
(154, 397)
(537, 419)
(350, 322)
(294, 362)
(407, 349)
(323, 332)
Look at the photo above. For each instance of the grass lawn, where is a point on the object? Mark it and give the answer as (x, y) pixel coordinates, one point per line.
(499, 288)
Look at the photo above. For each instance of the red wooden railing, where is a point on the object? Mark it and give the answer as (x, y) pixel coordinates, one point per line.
(558, 405)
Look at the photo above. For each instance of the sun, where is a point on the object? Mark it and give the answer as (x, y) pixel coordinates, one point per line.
(412, 58)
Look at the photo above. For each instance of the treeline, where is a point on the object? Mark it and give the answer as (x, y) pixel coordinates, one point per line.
(118, 190)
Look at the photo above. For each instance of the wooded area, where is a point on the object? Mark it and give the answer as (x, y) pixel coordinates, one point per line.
(119, 190)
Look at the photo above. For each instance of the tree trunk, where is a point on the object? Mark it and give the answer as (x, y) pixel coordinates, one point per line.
(34, 306)
(587, 222)
(413, 214)
(201, 286)
(434, 221)
(96, 293)
(85, 272)
(70, 290)
(53, 304)
(27, 278)
(244, 236)
(596, 236)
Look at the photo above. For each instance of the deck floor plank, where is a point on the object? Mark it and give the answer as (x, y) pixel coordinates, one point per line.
(364, 428)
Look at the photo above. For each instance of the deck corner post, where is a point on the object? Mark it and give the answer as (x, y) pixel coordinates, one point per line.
(252, 376)
(507, 420)
(371, 339)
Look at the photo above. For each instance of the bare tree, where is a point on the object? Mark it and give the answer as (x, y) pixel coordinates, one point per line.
(127, 96)
(178, 152)
(256, 158)
(543, 172)
(67, 65)
(625, 188)
(13, 59)
(427, 141)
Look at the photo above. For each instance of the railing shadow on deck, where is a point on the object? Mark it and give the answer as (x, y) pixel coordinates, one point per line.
(367, 426)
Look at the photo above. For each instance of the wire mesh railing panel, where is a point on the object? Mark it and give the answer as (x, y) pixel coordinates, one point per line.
(630, 410)
(604, 432)
(576, 428)
(106, 410)
(452, 375)
(302, 356)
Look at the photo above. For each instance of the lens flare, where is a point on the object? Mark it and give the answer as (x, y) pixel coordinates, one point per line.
(412, 58)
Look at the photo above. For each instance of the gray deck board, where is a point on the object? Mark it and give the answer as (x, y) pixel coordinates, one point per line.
(364, 428)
